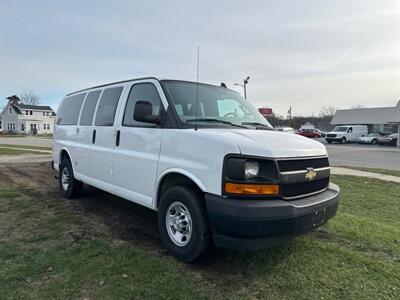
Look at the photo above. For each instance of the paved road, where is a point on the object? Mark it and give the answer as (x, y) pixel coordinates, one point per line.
(370, 156)
(340, 155)
(29, 141)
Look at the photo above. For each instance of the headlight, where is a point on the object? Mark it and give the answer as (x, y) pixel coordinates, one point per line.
(251, 169)
(248, 175)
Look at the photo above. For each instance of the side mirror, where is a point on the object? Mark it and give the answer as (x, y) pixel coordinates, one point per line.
(144, 113)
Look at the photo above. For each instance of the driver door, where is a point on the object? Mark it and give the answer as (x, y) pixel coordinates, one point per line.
(138, 145)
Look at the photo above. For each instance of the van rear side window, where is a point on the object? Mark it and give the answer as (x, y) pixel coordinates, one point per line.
(89, 107)
(69, 110)
(107, 106)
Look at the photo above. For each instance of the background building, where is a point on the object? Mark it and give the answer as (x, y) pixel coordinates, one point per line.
(30, 119)
(378, 119)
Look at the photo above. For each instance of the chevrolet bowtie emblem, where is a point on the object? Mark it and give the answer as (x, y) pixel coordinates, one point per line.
(311, 174)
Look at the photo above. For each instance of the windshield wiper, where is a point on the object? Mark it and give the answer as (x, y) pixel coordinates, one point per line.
(216, 121)
(257, 125)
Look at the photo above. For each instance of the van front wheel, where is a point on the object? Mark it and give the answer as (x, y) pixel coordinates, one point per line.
(183, 223)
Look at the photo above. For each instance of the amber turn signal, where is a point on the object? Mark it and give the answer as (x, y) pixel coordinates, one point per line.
(252, 189)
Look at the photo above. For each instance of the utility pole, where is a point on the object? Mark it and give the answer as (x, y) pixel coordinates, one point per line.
(245, 82)
(290, 115)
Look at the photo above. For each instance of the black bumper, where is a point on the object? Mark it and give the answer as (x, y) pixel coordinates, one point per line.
(253, 224)
(333, 139)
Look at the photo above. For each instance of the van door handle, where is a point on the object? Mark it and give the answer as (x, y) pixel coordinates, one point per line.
(94, 136)
(117, 138)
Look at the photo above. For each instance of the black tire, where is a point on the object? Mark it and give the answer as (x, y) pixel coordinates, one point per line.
(343, 140)
(200, 233)
(373, 142)
(329, 142)
(74, 186)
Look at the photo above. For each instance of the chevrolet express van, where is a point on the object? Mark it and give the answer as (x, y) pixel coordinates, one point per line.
(201, 156)
(346, 133)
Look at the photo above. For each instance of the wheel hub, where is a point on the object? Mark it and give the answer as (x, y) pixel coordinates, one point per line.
(179, 224)
(65, 178)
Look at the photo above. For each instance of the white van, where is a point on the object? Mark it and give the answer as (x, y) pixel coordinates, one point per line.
(200, 155)
(346, 133)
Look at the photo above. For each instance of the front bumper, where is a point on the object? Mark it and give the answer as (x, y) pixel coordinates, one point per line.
(253, 224)
(333, 139)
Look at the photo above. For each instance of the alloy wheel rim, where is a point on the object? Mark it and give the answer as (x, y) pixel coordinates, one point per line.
(65, 179)
(179, 224)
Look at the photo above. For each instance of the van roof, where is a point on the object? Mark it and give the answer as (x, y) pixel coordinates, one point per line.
(140, 78)
(111, 83)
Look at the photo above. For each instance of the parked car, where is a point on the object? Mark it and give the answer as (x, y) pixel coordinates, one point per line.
(323, 134)
(390, 140)
(285, 129)
(310, 133)
(219, 175)
(371, 138)
(346, 133)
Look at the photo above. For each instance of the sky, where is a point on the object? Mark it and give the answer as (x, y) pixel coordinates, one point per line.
(304, 54)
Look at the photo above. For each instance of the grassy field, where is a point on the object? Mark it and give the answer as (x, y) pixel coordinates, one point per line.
(49, 250)
(375, 170)
(27, 147)
(5, 151)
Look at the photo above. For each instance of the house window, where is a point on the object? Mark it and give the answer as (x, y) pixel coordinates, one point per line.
(44, 114)
(22, 127)
(30, 112)
(10, 110)
(47, 114)
(27, 112)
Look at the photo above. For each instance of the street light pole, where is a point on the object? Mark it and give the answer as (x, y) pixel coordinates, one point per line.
(245, 82)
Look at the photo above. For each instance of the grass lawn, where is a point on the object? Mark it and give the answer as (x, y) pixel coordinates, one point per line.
(375, 170)
(49, 250)
(27, 147)
(5, 151)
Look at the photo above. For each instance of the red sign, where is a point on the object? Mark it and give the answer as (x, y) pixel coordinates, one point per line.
(265, 111)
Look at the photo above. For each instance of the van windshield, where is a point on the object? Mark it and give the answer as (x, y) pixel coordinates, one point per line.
(217, 106)
(340, 129)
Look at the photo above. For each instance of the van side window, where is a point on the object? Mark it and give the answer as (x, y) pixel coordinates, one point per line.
(108, 106)
(69, 110)
(141, 92)
(88, 108)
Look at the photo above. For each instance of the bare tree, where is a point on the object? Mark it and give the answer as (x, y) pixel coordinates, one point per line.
(327, 111)
(30, 97)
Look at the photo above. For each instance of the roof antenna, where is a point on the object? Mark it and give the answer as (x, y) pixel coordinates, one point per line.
(197, 86)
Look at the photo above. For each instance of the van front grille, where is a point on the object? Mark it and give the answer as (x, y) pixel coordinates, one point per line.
(331, 135)
(302, 164)
(304, 188)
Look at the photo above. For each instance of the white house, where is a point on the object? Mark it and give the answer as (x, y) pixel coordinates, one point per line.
(30, 119)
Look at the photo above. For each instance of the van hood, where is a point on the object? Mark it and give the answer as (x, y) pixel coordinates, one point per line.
(268, 143)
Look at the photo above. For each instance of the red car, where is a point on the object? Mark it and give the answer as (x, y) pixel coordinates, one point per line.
(310, 133)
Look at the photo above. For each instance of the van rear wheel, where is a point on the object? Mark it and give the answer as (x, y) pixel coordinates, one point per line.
(183, 223)
(68, 185)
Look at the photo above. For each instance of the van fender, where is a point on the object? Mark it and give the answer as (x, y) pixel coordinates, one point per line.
(192, 177)
(70, 157)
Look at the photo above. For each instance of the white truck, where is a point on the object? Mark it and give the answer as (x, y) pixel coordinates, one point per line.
(346, 133)
(201, 156)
